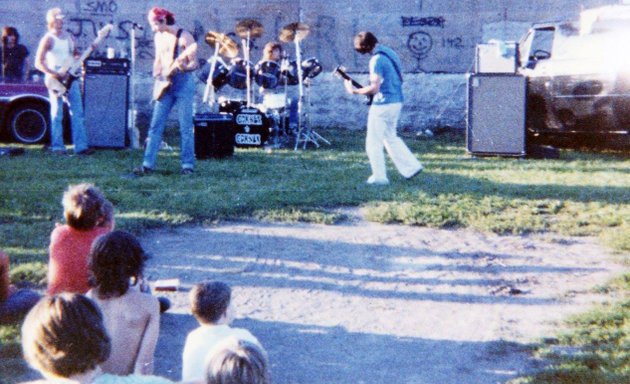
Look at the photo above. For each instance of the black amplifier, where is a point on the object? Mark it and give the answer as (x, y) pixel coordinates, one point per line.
(214, 135)
(103, 66)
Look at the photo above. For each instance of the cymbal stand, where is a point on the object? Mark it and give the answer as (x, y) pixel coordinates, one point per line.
(209, 95)
(310, 135)
(298, 59)
(247, 69)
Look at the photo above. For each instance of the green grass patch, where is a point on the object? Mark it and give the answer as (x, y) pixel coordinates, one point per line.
(582, 193)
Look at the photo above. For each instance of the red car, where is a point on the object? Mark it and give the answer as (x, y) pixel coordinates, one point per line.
(24, 112)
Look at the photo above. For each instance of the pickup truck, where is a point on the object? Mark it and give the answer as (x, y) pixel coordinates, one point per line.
(578, 79)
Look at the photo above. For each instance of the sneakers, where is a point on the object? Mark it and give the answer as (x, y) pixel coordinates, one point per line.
(374, 181)
(419, 170)
(142, 171)
(58, 152)
(187, 171)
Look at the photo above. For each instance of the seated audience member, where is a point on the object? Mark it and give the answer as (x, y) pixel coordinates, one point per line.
(88, 215)
(210, 304)
(14, 303)
(236, 361)
(132, 318)
(64, 338)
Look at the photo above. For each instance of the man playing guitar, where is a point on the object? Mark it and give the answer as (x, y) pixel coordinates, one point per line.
(175, 58)
(56, 48)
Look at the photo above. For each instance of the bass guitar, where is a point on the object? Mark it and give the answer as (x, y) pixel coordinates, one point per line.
(71, 69)
(164, 81)
(340, 71)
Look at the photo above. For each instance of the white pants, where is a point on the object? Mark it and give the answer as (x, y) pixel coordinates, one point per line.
(381, 132)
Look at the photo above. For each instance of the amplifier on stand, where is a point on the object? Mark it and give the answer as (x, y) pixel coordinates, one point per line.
(105, 96)
(214, 135)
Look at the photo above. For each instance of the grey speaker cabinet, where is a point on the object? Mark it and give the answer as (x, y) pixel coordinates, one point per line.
(105, 107)
(496, 108)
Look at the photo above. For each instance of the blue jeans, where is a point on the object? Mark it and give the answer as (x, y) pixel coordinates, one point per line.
(79, 135)
(181, 94)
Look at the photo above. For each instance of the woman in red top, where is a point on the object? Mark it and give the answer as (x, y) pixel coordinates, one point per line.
(88, 215)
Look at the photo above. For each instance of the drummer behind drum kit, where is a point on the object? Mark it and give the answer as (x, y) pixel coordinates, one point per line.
(254, 124)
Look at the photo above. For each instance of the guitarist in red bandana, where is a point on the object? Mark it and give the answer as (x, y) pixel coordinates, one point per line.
(55, 49)
(175, 58)
(386, 88)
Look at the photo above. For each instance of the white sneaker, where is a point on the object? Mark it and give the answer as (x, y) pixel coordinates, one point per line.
(415, 173)
(374, 181)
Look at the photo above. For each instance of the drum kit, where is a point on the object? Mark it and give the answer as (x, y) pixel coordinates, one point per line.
(263, 123)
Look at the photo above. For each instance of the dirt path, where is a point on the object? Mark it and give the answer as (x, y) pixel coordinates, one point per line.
(368, 303)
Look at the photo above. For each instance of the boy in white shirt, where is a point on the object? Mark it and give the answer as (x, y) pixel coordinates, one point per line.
(211, 305)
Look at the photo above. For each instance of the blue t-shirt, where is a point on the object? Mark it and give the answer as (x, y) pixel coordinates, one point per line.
(391, 87)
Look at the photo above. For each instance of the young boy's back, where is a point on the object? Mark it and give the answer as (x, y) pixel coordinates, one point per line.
(210, 304)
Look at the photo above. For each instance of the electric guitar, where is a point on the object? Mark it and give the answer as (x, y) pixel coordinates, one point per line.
(71, 68)
(340, 71)
(164, 81)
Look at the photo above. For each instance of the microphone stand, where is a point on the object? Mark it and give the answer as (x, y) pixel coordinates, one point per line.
(134, 133)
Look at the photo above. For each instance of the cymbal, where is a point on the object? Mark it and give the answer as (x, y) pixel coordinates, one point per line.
(254, 28)
(294, 31)
(227, 46)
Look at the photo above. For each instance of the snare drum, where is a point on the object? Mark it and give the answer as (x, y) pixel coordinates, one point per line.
(267, 74)
(237, 75)
(220, 74)
(251, 127)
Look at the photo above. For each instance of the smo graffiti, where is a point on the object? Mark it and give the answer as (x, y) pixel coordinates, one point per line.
(106, 7)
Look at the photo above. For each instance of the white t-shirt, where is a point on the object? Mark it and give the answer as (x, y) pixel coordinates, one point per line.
(202, 340)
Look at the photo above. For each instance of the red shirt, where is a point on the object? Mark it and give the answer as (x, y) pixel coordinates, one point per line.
(68, 264)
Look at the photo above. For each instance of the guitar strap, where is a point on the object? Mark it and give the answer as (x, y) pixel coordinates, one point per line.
(393, 63)
(176, 49)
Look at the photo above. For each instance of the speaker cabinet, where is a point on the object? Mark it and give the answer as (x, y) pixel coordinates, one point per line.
(496, 107)
(214, 135)
(105, 95)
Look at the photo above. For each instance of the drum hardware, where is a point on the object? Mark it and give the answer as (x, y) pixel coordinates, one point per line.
(247, 30)
(223, 45)
(306, 134)
(296, 32)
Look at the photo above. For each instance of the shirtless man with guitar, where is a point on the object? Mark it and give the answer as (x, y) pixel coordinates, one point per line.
(58, 58)
(175, 59)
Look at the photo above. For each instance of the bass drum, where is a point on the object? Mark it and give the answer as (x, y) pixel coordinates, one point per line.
(237, 76)
(251, 127)
(267, 74)
(219, 76)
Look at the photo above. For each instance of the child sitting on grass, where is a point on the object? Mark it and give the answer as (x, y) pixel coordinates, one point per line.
(131, 317)
(88, 215)
(211, 305)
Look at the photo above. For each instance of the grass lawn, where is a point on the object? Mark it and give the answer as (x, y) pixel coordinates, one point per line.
(582, 193)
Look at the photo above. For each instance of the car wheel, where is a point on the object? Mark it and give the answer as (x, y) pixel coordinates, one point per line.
(29, 122)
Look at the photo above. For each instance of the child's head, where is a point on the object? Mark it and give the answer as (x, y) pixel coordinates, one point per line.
(114, 259)
(236, 361)
(64, 335)
(210, 301)
(85, 206)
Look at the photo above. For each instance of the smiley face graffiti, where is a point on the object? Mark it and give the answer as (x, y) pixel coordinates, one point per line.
(420, 44)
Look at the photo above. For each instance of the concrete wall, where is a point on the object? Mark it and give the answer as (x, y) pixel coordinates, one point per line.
(431, 36)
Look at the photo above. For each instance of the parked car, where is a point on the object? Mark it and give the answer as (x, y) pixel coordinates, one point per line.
(578, 76)
(24, 112)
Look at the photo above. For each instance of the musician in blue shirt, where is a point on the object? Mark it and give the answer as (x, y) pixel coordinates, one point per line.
(386, 88)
